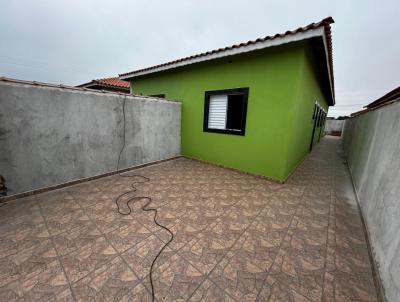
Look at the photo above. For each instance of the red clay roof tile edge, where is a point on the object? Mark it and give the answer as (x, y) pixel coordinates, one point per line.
(379, 106)
(323, 23)
(61, 86)
(390, 96)
(113, 82)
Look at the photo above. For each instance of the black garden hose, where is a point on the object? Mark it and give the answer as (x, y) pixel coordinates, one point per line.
(135, 199)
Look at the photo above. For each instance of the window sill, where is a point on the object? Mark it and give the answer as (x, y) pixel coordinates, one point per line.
(225, 131)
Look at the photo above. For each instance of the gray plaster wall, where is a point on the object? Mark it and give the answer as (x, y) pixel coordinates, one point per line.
(372, 147)
(333, 125)
(53, 135)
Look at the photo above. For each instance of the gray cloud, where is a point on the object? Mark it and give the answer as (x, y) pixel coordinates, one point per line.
(72, 42)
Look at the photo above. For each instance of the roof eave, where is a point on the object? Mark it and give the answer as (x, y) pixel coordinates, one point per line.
(329, 67)
(230, 52)
(85, 84)
(391, 95)
(276, 41)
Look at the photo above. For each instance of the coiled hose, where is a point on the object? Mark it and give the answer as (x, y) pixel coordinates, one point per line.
(134, 199)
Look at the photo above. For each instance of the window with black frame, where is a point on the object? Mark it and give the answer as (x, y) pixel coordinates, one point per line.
(225, 111)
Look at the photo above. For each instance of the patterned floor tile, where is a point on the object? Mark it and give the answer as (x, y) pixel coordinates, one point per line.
(141, 256)
(240, 216)
(146, 218)
(21, 226)
(275, 290)
(78, 238)
(208, 248)
(94, 199)
(241, 277)
(169, 216)
(203, 254)
(353, 288)
(17, 208)
(47, 283)
(183, 234)
(109, 220)
(177, 281)
(113, 281)
(82, 190)
(82, 261)
(198, 218)
(54, 207)
(20, 231)
(208, 291)
(128, 235)
(237, 237)
(29, 256)
(67, 221)
(272, 219)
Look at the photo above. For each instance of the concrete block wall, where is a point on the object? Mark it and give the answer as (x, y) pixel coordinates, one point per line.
(372, 147)
(52, 135)
(334, 126)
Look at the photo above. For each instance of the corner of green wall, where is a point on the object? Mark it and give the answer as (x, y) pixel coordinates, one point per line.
(309, 91)
(274, 76)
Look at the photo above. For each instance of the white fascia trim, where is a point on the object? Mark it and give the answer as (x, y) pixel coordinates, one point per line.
(328, 65)
(320, 106)
(317, 32)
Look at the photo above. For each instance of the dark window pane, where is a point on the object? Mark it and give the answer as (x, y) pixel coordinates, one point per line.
(234, 119)
(315, 112)
(158, 95)
(321, 118)
(318, 116)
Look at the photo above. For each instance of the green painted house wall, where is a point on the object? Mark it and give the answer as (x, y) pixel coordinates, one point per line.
(308, 92)
(282, 91)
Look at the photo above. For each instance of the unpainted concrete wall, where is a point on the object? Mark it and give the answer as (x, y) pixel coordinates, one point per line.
(52, 135)
(333, 126)
(372, 148)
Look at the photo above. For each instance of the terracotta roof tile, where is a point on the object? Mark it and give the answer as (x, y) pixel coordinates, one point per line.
(82, 89)
(323, 23)
(115, 82)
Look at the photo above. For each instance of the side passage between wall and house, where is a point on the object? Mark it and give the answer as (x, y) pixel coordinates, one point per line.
(372, 148)
(334, 127)
(51, 135)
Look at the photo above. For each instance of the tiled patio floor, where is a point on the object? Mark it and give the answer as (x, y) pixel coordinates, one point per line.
(237, 238)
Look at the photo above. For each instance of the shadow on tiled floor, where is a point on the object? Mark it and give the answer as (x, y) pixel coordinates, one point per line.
(237, 238)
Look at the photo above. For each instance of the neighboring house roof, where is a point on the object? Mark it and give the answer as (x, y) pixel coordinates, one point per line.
(389, 98)
(115, 83)
(83, 89)
(320, 29)
(358, 112)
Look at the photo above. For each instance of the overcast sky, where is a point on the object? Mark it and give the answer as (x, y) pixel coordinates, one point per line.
(72, 42)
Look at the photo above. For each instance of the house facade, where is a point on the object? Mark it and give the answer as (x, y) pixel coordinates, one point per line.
(258, 107)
